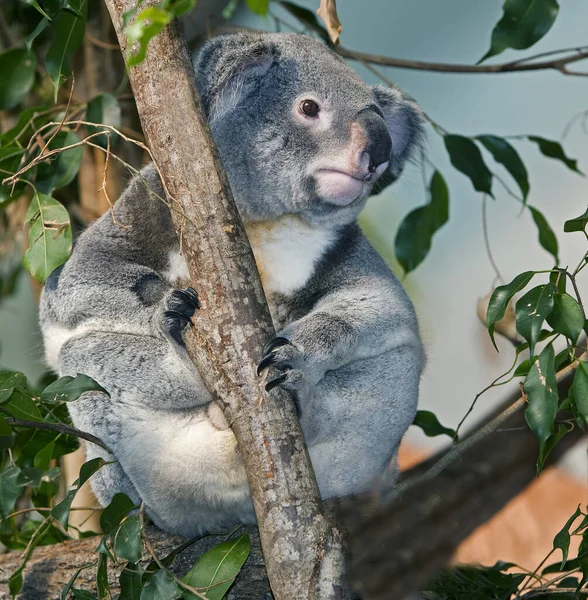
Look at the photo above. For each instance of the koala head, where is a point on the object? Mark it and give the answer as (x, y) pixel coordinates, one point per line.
(298, 131)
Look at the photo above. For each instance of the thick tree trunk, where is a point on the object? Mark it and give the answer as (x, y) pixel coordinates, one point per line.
(303, 553)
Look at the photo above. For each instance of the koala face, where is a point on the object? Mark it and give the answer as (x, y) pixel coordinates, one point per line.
(298, 131)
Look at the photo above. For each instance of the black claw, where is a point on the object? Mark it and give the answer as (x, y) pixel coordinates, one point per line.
(275, 343)
(265, 363)
(174, 314)
(191, 297)
(270, 385)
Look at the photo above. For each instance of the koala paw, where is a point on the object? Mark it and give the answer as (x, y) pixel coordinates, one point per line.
(284, 356)
(180, 306)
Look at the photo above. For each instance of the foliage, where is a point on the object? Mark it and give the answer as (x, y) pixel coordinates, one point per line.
(41, 152)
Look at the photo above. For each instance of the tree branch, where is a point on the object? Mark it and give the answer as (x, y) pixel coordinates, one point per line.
(65, 429)
(303, 554)
(526, 64)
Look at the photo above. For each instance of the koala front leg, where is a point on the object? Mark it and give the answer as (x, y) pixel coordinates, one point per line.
(350, 323)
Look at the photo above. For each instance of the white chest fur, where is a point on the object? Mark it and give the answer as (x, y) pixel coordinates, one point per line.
(286, 252)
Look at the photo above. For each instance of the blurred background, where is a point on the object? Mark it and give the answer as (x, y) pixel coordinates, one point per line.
(447, 286)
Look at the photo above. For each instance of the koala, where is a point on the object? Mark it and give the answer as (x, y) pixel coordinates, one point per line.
(304, 142)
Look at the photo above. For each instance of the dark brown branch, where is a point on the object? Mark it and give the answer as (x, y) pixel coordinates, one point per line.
(400, 546)
(65, 429)
(303, 554)
(527, 64)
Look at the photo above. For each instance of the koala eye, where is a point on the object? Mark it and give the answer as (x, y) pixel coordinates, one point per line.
(309, 108)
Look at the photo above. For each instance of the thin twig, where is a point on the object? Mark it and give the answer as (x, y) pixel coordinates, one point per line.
(100, 43)
(487, 239)
(65, 429)
(559, 64)
(156, 558)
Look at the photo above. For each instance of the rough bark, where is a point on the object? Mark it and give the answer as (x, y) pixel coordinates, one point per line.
(52, 566)
(304, 554)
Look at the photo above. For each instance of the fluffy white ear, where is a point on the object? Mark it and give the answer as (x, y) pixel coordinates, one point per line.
(406, 125)
(229, 67)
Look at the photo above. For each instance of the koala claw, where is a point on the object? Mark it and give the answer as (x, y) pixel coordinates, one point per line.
(180, 307)
(270, 385)
(269, 357)
(275, 343)
(190, 297)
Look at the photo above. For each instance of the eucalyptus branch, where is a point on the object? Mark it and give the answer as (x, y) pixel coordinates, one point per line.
(64, 429)
(527, 64)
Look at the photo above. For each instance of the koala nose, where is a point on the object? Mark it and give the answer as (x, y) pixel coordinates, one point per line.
(378, 146)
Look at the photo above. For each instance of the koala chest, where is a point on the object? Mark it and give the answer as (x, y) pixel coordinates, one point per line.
(286, 252)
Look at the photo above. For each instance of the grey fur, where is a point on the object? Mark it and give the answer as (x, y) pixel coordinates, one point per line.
(354, 356)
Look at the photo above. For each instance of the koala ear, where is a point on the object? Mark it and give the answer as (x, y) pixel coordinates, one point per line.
(405, 123)
(229, 67)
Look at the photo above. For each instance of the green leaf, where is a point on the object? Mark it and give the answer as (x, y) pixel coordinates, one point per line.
(308, 19)
(562, 539)
(147, 24)
(509, 158)
(531, 311)
(415, 234)
(68, 389)
(36, 5)
(500, 298)
(547, 238)
(130, 582)
(466, 157)
(9, 380)
(554, 150)
(50, 239)
(66, 590)
(114, 513)
(61, 511)
(102, 584)
(103, 109)
(80, 594)
(6, 437)
(579, 395)
(430, 425)
(551, 443)
(541, 389)
(33, 477)
(41, 26)
(161, 587)
(523, 23)
(259, 7)
(44, 456)
(557, 568)
(577, 223)
(10, 489)
(127, 540)
(68, 28)
(22, 406)
(60, 171)
(566, 317)
(17, 75)
(221, 563)
(475, 583)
